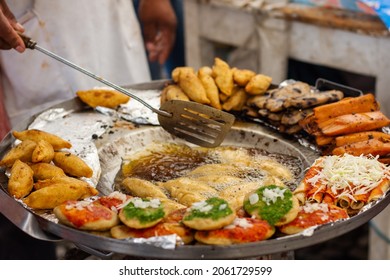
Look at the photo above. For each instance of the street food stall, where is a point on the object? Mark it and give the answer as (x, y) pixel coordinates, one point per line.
(297, 164)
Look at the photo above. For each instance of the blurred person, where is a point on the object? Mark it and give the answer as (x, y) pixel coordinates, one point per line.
(102, 36)
(177, 55)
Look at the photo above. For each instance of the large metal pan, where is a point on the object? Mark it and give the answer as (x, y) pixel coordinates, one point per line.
(242, 133)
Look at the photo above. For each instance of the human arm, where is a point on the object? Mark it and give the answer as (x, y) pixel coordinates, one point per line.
(159, 27)
(9, 27)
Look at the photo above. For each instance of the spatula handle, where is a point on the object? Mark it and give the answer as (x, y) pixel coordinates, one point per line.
(34, 46)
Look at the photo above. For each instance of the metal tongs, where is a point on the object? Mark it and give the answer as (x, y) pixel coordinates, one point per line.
(196, 123)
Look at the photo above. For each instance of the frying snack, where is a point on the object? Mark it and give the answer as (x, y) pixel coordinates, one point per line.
(360, 104)
(43, 152)
(242, 230)
(20, 182)
(187, 191)
(223, 76)
(236, 101)
(193, 87)
(178, 70)
(213, 213)
(86, 215)
(173, 92)
(142, 188)
(23, 152)
(313, 214)
(72, 164)
(60, 181)
(142, 213)
(352, 123)
(277, 205)
(43, 171)
(102, 97)
(242, 76)
(50, 197)
(212, 92)
(258, 84)
(36, 135)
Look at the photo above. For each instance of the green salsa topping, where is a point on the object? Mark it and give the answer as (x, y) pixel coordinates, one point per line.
(273, 203)
(143, 210)
(212, 208)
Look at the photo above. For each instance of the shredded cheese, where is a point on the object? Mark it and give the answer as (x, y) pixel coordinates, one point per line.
(271, 195)
(349, 175)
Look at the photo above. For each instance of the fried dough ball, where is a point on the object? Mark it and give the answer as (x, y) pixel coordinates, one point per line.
(23, 152)
(258, 84)
(36, 135)
(212, 92)
(223, 76)
(72, 164)
(102, 97)
(21, 180)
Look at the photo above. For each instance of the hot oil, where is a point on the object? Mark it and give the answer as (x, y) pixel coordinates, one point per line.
(169, 161)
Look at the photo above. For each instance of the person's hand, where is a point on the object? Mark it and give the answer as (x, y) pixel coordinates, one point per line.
(9, 38)
(159, 27)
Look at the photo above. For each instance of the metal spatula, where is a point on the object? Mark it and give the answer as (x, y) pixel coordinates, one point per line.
(196, 123)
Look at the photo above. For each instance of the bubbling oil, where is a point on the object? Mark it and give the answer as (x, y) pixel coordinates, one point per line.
(164, 162)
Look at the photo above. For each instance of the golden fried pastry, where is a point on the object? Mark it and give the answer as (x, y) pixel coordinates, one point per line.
(142, 188)
(187, 191)
(170, 205)
(21, 181)
(212, 92)
(35, 135)
(213, 213)
(236, 101)
(43, 152)
(173, 92)
(193, 87)
(258, 84)
(72, 164)
(86, 215)
(50, 197)
(178, 70)
(223, 76)
(60, 181)
(142, 213)
(44, 171)
(242, 76)
(108, 98)
(23, 152)
(242, 230)
(277, 205)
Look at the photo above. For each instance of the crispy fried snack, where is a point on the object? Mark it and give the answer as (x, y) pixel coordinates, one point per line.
(23, 151)
(236, 101)
(142, 188)
(205, 76)
(178, 70)
(60, 180)
(173, 92)
(258, 84)
(72, 164)
(102, 97)
(193, 87)
(223, 76)
(36, 135)
(50, 197)
(43, 152)
(242, 76)
(44, 171)
(21, 181)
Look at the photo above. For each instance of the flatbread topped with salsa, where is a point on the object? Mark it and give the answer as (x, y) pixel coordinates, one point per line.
(275, 204)
(314, 214)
